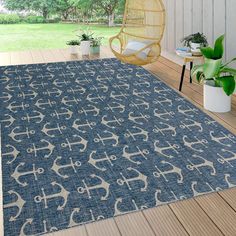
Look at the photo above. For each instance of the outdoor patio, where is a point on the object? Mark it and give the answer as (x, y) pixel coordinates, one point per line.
(212, 214)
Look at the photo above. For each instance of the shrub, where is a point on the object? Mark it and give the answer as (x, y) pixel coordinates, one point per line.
(54, 20)
(34, 19)
(9, 19)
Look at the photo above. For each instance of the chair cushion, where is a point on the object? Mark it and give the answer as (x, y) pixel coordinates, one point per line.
(134, 46)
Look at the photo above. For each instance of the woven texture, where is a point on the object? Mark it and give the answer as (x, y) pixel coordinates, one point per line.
(83, 141)
(144, 21)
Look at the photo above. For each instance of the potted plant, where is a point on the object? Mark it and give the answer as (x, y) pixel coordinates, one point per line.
(73, 46)
(218, 78)
(195, 42)
(85, 40)
(95, 45)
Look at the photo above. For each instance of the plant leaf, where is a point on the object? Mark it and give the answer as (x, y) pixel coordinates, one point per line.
(196, 69)
(228, 84)
(207, 52)
(228, 70)
(199, 76)
(211, 68)
(219, 47)
(227, 63)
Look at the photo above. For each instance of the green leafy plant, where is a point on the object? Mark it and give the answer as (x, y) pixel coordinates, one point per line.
(214, 69)
(96, 42)
(195, 38)
(73, 42)
(85, 35)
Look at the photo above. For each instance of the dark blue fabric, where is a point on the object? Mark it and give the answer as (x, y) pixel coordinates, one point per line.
(83, 141)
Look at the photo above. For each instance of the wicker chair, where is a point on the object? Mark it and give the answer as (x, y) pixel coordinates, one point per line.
(141, 32)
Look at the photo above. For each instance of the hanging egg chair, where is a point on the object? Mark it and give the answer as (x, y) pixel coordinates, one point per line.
(138, 41)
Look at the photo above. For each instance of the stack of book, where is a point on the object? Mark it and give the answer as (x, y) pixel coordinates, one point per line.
(183, 52)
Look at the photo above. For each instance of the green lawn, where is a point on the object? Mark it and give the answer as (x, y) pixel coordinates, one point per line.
(21, 37)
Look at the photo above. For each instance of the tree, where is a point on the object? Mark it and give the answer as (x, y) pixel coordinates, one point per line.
(65, 8)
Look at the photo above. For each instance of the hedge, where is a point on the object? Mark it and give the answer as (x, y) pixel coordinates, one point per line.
(9, 19)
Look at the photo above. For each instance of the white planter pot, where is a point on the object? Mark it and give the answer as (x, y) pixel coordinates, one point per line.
(215, 99)
(195, 49)
(74, 49)
(85, 47)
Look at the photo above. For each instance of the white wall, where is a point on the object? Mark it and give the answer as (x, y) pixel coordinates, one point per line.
(212, 17)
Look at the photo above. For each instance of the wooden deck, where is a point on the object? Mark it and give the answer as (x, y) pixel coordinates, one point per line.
(210, 215)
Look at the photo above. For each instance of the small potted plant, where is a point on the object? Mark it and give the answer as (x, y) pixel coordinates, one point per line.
(195, 42)
(85, 40)
(73, 46)
(95, 45)
(218, 78)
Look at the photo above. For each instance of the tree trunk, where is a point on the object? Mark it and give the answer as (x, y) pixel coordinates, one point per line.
(45, 13)
(111, 17)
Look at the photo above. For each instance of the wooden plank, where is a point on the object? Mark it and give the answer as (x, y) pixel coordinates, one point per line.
(219, 212)
(5, 59)
(188, 14)
(197, 16)
(229, 196)
(37, 57)
(48, 56)
(208, 20)
(164, 222)
(74, 231)
(103, 228)
(133, 224)
(15, 58)
(194, 219)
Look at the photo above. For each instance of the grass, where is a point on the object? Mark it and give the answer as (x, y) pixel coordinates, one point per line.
(22, 37)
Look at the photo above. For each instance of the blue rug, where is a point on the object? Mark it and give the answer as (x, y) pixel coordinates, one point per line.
(84, 141)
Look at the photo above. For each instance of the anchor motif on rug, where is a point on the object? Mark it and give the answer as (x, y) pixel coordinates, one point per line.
(79, 142)
(131, 155)
(83, 81)
(10, 120)
(142, 84)
(112, 123)
(16, 107)
(30, 95)
(15, 134)
(70, 102)
(67, 114)
(139, 103)
(141, 132)
(138, 119)
(5, 80)
(119, 96)
(119, 201)
(57, 167)
(48, 147)
(78, 89)
(204, 163)
(103, 79)
(170, 148)
(35, 85)
(108, 158)
(91, 109)
(163, 101)
(160, 202)
(39, 117)
(88, 189)
(95, 99)
(196, 193)
(40, 103)
(121, 85)
(80, 127)
(47, 131)
(100, 87)
(29, 221)
(197, 142)
(162, 91)
(19, 203)
(63, 193)
(128, 181)
(188, 111)
(141, 93)
(6, 97)
(229, 183)
(210, 122)
(11, 87)
(224, 159)
(55, 92)
(61, 83)
(167, 128)
(172, 170)
(224, 137)
(13, 153)
(115, 107)
(123, 77)
(17, 174)
(191, 125)
(164, 115)
(113, 137)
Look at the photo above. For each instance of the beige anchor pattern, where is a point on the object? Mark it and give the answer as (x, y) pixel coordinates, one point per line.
(102, 133)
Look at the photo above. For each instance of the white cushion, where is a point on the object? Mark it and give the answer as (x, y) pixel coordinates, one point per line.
(134, 46)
